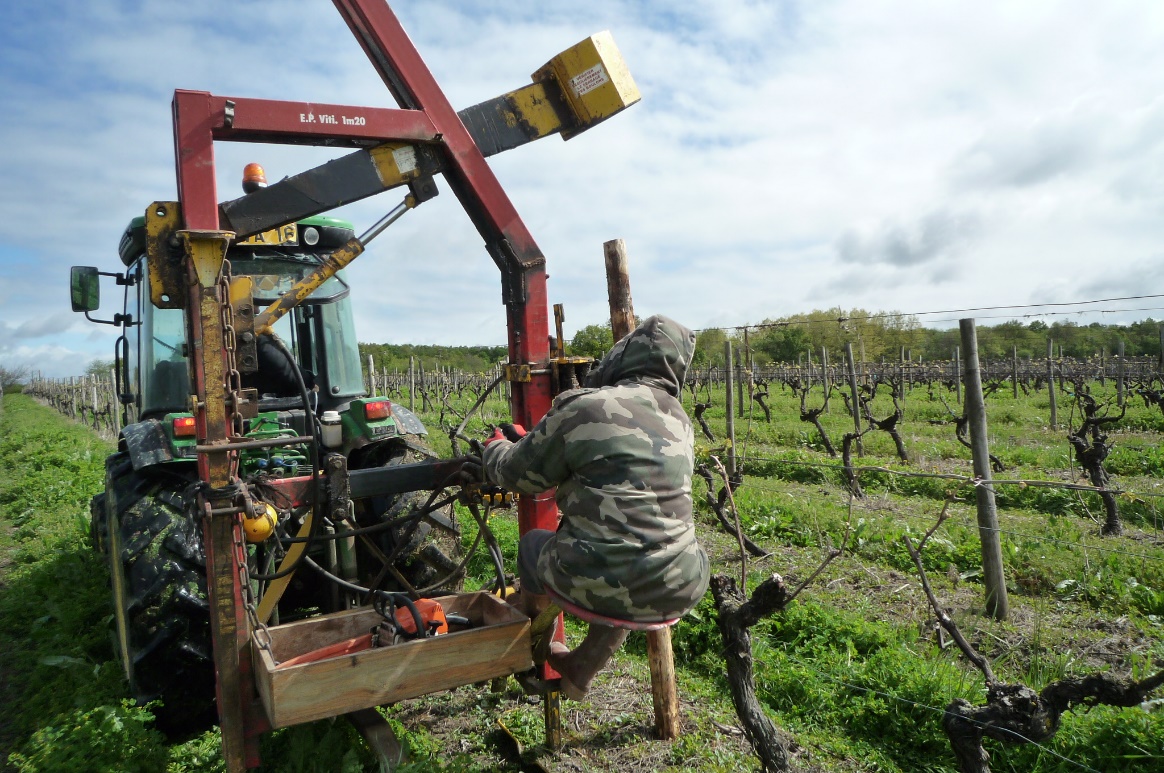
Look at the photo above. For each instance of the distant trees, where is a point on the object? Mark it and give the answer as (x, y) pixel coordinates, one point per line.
(592, 341)
(875, 334)
(471, 359)
(99, 368)
(12, 377)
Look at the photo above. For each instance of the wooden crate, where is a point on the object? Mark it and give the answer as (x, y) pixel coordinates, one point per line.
(497, 645)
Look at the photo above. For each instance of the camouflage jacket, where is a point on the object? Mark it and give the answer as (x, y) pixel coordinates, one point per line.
(620, 452)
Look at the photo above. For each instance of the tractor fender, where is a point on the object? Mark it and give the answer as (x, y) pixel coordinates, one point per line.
(147, 444)
(407, 421)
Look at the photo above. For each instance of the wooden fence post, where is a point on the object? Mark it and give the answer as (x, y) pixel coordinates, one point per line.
(1051, 384)
(1120, 376)
(412, 383)
(997, 605)
(729, 397)
(958, 375)
(856, 400)
(824, 374)
(1014, 371)
(660, 657)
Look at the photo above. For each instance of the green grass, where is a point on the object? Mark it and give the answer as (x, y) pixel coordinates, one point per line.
(852, 669)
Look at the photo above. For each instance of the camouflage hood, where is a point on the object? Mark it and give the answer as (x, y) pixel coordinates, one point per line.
(656, 353)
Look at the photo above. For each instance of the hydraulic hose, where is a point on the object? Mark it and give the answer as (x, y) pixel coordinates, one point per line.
(313, 449)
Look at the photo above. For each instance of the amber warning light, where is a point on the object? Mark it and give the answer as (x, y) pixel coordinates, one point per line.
(184, 426)
(253, 178)
(377, 410)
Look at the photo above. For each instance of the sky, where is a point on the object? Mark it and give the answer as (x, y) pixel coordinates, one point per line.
(785, 156)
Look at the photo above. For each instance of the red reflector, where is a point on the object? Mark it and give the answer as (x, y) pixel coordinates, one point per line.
(184, 427)
(378, 410)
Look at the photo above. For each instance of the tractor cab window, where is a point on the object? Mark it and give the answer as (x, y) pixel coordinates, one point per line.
(165, 380)
(345, 378)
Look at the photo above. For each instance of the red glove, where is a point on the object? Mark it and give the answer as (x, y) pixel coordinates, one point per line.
(513, 432)
(510, 432)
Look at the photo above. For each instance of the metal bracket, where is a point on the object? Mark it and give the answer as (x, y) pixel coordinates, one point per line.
(518, 373)
(339, 494)
(166, 257)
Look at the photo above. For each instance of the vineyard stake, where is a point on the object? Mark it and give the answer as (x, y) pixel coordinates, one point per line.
(660, 657)
(958, 374)
(824, 370)
(728, 398)
(856, 401)
(1120, 376)
(1051, 384)
(997, 605)
(1014, 371)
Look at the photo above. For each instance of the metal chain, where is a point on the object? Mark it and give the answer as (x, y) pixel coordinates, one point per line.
(258, 627)
(233, 388)
(230, 342)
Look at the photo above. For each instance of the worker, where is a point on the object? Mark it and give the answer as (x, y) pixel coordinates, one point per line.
(620, 452)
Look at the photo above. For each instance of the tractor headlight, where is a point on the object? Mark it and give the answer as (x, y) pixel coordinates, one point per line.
(310, 236)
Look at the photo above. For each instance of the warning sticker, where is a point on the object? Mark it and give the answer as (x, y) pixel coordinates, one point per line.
(588, 80)
(405, 158)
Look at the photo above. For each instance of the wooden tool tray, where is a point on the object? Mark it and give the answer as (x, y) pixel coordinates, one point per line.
(497, 644)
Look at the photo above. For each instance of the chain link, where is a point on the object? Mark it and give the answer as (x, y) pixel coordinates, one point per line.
(233, 388)
(233, 384)
(258, 627)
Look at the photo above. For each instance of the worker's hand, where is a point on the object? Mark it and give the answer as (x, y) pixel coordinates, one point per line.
(512, 432)
(472, 470)
(497, 435)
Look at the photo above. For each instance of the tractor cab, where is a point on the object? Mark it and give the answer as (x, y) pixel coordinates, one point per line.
(152, 363)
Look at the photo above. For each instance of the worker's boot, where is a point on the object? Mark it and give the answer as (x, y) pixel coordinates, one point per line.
(578, 667)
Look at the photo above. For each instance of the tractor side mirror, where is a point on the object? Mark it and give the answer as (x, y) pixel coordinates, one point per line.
(85, 288)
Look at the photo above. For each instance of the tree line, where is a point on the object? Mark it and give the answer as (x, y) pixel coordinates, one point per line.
(879, 335)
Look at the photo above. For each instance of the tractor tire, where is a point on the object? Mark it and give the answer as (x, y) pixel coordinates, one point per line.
(158, 568)
(432, 552)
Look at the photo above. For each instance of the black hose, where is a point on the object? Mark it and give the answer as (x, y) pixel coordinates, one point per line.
(313, 449)
(397, 598)
(492, 546)
(375, 528)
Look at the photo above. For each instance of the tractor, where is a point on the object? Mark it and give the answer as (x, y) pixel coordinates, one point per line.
(142, 523)
(258, 493)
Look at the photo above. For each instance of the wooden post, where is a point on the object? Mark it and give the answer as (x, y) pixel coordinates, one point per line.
(997, 605)
(824, 374)
(864, 372)
(1014, 371)
(371, 377)
(856, 400)
(728, 400)
(1160, 361)
(1051, 384)
(748, 372)
(1103, 366)
(622, 312)
(660, 658)
(1120, 375)
(411, 383)
(958, 374)
(901, 370)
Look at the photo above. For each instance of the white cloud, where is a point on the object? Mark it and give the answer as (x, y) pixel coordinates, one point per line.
(786, 155)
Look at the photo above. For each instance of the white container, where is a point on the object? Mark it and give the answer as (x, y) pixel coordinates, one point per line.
(333, 430)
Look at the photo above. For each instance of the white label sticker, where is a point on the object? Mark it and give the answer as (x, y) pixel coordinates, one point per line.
(405, 158)
(588, 80)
